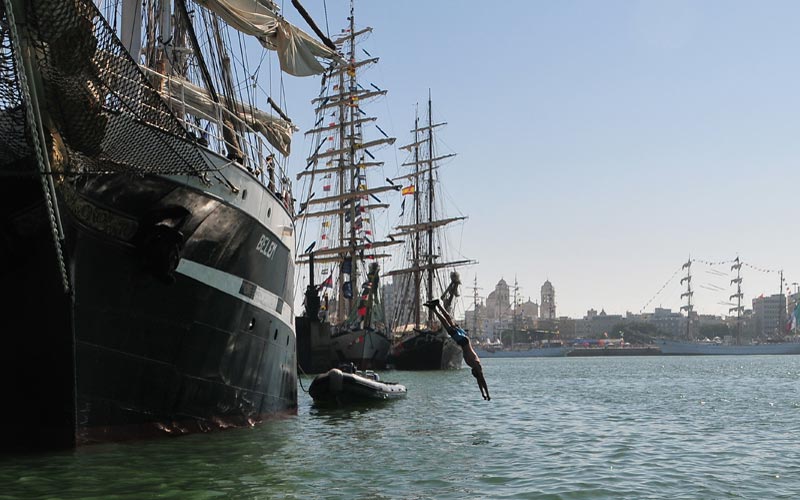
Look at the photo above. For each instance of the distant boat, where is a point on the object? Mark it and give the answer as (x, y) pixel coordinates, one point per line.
(716, 346)
(546, 351)
(687, 348)
(426, 346)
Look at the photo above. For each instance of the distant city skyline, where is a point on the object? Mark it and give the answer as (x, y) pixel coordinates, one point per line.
(600, 144)
(658, 300)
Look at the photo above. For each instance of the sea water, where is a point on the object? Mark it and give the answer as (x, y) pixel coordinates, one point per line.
(637, 427)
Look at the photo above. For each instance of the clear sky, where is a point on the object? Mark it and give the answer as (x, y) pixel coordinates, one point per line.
(600, 143)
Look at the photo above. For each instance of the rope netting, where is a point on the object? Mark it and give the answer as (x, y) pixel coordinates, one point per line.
(93, 94)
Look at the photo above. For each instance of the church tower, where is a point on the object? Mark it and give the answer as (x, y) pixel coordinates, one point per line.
(547, 309)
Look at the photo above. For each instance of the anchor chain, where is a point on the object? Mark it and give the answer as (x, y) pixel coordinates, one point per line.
(37, 136)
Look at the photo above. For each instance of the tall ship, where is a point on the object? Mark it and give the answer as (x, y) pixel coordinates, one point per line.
(426, 271)
(690, 345)
(147, 223)
(343, 194)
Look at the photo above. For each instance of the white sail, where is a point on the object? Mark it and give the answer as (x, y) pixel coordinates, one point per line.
(196, 101)
(357, 146)
(425, 226)
(131, 27)
(340, 211)
(428, 160)
(297, 50)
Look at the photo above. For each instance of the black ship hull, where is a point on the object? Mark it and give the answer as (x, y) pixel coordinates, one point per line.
(176, 319)
(426, 350)
(366, 349)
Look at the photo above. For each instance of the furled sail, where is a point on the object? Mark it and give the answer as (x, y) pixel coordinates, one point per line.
(297, 50)
(198, 102)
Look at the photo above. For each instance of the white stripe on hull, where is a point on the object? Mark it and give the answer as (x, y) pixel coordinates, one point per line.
(230, 284)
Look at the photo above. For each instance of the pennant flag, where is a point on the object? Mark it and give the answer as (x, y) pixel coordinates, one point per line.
(362, 311)
(347, 266)
(326, 187)
(403, 208)
(326, 223)
(409, 190)
(347, 290)
(367, 231)
(324, 237)
(328, 283)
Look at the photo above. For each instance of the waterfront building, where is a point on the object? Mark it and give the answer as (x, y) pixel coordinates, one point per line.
(768, 315)
(529, 309)
(498, 303)
(672, 324)
(548, 309)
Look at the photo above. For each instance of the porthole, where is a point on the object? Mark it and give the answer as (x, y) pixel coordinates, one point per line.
(252, 324)
(276, 335)
(244, 194)
(269, 212)
(287, 340)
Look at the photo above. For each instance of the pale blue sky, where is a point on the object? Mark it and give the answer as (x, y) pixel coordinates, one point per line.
(599, 142)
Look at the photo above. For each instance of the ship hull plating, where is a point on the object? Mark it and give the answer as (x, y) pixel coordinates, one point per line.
(426, 351)
(177, 318)
(367, 349)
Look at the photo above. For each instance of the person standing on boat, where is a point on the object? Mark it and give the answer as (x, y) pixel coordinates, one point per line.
(460, 337)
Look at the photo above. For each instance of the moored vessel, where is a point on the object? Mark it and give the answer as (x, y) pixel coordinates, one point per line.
(542, 351)
(423, 344)
(149, 221)
(346, 385)
(341, 200)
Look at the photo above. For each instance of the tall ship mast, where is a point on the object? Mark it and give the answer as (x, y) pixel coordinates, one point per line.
(737, 347)
(739, 308)
(688, 295)
(426, 271)
(341, 203)
(148, 217)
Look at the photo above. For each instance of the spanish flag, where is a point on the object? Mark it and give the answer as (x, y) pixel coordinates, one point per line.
(408, 190)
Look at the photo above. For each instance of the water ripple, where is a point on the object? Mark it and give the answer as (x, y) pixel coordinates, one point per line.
(572, 428)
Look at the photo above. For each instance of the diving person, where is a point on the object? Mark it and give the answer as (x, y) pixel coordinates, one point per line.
(460, 338)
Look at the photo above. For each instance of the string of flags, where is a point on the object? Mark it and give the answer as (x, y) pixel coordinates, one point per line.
(660, 290)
